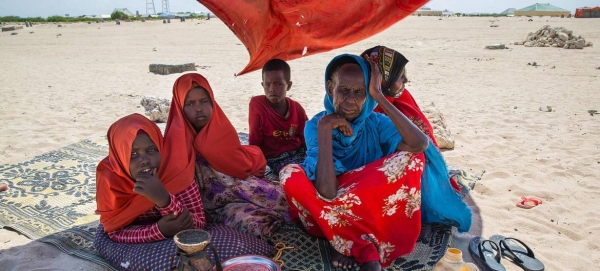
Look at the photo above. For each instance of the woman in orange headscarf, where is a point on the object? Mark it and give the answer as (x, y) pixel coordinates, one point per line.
(139, 197)
(228, 173)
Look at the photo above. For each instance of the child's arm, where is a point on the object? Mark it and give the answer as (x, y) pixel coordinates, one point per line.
(303, 120)
(137, 234)
(255, 137)
(190, 198)
(175, 218)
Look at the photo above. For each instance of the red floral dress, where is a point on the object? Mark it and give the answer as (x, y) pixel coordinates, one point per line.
(376, 214)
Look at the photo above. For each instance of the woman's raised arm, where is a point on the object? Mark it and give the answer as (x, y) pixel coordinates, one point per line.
(413, 139)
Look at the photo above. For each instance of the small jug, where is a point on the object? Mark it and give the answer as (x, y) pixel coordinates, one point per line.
(193, 245)
(452, 261)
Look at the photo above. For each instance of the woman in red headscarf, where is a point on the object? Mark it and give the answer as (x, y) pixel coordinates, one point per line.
(227, 172)
(140, 197)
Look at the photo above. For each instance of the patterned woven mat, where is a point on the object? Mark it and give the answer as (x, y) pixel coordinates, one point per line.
(315, 254)
(51, 198)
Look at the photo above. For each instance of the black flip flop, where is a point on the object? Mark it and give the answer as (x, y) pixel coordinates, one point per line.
(484, 253)
(518, 252)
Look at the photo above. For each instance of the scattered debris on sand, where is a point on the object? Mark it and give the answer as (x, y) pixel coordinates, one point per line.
(554, 37)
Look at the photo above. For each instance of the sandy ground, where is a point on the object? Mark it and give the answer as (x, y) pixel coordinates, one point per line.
(57, 90)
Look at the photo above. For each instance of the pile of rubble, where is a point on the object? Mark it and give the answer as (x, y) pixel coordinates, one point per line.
(441, 132)
(554, 37)
(157, 109)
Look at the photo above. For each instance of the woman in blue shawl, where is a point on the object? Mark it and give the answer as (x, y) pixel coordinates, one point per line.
(360, 185)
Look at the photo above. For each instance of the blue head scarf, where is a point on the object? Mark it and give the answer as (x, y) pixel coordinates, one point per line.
(368, 142)
(369, 104)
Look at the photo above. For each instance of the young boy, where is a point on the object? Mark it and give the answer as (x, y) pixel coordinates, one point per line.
(277, 122)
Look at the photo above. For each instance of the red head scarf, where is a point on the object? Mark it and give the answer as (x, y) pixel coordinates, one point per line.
(217, 142)
(117, 204)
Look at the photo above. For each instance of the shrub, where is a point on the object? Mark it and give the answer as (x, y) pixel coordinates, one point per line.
(52, 19)
(118, 15)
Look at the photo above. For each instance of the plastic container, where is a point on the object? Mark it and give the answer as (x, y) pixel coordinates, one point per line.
(452, 261)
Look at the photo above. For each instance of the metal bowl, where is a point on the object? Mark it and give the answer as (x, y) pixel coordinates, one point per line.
(249, 263)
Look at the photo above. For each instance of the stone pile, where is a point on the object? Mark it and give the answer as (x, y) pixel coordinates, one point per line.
(555, 37)
(157, 109)
(441, 133)
(165, 69)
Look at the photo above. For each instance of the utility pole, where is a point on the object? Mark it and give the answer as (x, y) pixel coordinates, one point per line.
(165, 6)
(150, 10)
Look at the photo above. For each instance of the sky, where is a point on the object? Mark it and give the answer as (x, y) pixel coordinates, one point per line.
(45, 8)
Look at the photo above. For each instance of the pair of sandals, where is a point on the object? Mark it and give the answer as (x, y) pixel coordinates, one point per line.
(488, 253)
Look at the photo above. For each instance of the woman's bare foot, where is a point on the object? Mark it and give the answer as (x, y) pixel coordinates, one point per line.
(338, 260)
(371, 266)
(3, 186)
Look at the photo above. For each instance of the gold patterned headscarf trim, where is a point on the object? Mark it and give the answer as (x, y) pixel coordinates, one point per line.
(390, 63)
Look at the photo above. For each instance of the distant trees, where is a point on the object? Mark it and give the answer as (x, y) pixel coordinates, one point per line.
(119, 15)
(51, 19)
(199, 16)
(59, 19)
(7, 19)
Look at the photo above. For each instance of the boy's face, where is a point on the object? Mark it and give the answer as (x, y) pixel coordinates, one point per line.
(275, 86)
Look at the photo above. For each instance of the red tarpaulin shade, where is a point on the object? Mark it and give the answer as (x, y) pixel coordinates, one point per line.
(289, 29)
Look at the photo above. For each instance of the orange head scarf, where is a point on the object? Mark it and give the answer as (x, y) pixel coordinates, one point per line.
(217, 142)
(117, 204)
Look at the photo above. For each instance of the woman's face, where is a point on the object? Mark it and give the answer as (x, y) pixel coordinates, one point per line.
(145, 157)
(197, 107)
(348, 91)
(398, 87)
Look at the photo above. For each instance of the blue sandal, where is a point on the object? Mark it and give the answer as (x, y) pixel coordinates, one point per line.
(484, 253)
(518, 252)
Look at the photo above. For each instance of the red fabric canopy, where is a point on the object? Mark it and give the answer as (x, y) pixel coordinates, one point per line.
(289, 29)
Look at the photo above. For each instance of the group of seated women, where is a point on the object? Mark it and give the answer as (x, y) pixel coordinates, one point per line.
(364, 173)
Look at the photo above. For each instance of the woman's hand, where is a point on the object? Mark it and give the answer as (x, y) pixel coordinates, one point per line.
(152, 188)
(336, 121)
(375, 81)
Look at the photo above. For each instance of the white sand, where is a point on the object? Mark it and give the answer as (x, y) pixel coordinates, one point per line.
(60, 90)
